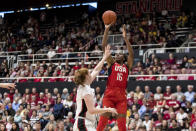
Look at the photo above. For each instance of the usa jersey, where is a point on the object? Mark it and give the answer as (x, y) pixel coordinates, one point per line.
(117, 79)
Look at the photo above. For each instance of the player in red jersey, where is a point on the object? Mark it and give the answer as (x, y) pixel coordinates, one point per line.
(115, 94)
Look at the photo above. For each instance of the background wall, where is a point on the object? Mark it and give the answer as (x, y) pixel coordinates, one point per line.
(102, 84)
(131, 5)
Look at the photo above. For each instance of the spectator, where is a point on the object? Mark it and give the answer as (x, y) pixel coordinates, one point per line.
(48, 100)
(16, 94)
(183, 77)
(17, 117)
(137, 91)
(181, 115)
(165, 125)
(15, 104)
(34, 117)
(34, 93)
(167, 94)
(171, 59)
(158, 95)
(42, 121)
(41, 98)
(38, 126)
(147, 93)
(51, 127)
(58, 109)
(33, 102)
(160, 103)
(98, 90)
(182, 20)
(190, 93)
(179, 93)
(65, 94)
(192, 63)
(55, 93)
(10, 110)
(172, 77)
(76, 67)
(15, 127)
(96, 51)
(9, 123)
(183, 101)
(51, 121)
(51, 53)
(147, 122)
(184, 62)
(61, 126)
(172, 103)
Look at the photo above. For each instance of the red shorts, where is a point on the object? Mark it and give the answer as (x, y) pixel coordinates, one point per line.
(119, 104)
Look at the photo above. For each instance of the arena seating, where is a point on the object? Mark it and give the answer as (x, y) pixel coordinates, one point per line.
(49, 46)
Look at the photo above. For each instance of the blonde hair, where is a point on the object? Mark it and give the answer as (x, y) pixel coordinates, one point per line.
(80, 76)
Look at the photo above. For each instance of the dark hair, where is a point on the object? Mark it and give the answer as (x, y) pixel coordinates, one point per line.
(17, 127)
(80, 76)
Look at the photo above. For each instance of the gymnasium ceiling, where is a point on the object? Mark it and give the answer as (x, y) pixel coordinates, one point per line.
(26, 4)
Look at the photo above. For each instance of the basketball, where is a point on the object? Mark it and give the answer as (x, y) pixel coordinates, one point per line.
(109, 17)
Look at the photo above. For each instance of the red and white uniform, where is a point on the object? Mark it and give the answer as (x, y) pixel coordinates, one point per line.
(84, 120)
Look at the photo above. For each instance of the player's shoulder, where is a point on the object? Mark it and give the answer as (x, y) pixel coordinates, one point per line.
(82, 88)
(85, 89)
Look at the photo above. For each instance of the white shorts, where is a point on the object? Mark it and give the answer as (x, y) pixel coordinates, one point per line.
(84, 125)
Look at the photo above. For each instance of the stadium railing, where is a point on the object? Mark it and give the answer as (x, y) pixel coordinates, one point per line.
(149, 52)
(72, 56)
(117, 40)
(87, 56)
(131, 77)
(59, 56)
(9, 58)
(9, 53)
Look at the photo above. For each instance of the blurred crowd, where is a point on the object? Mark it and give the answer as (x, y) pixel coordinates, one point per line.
(33, 111)
(163, 110)
(26, 34)
(55, 111)
(166, 109)
(173, 66)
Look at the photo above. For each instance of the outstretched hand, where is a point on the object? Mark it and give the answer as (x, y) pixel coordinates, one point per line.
(112, 110)
(124, 33)
(107, 52)
(8, 85)
(107, 27)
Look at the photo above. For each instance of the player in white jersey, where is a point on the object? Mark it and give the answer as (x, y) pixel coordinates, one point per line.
(85, 100)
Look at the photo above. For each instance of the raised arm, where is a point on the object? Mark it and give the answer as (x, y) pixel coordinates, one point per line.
(130, 50)
(99, 66)
(109, 60)
(93, 110)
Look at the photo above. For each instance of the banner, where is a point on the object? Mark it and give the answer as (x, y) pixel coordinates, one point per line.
(147, 6)
(41, 86)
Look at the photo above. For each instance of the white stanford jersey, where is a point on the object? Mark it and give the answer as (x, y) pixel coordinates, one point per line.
(83, 118)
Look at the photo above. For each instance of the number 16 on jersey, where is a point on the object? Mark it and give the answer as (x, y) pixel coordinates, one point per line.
(119, 76)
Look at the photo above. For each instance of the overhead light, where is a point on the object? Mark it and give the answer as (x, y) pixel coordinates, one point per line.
(47, 5)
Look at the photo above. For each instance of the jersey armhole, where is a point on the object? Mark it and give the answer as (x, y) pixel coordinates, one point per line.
(127, 68)
(110, 70)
